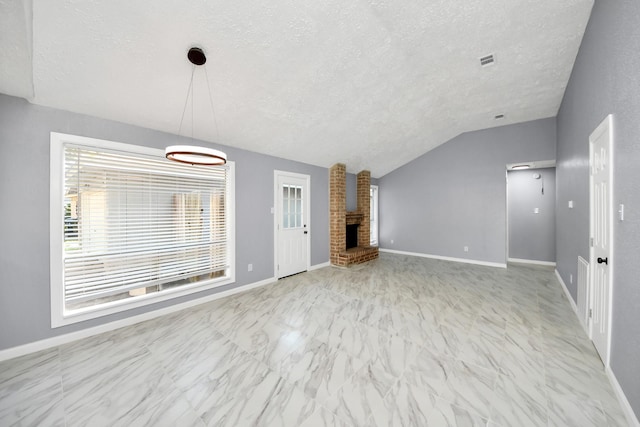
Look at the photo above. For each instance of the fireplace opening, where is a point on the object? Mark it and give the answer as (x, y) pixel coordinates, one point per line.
(352, 236)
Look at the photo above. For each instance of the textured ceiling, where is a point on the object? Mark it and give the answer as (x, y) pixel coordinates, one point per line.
(371, 83)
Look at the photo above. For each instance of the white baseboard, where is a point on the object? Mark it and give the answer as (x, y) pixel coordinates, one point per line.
(446, 258)
(568, 294)
(626, 406)
(531, 261)
(44, 344)
(318, 266)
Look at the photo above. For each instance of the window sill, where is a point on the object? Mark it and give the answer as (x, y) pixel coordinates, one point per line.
(119, 306)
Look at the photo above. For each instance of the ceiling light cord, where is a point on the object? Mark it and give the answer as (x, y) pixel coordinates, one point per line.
(186, 101)
(192, 154)
(213, 110)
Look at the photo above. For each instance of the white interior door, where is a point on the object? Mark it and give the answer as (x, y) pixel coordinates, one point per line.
(600, 143)
(292, 223)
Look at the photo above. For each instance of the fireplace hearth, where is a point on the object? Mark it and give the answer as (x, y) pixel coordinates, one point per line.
(349, 231)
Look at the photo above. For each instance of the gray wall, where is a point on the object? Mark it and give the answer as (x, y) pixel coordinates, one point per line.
(352, 192)
(606, 79)
(24, 213)
(532, 236)
(455, 195)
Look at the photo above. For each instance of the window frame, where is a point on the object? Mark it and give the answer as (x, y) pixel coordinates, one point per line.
(59, 315)
(374, 220)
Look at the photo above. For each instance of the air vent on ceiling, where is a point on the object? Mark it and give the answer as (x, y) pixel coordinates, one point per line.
(487, 60)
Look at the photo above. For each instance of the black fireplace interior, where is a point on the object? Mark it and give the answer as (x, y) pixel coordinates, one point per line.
(352, 236)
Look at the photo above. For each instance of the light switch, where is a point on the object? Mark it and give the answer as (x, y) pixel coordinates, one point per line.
(570, 204)
(536, 210)
(621, 212)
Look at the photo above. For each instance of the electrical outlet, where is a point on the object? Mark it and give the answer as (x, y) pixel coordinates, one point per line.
(250, 267)
(466, 248)
(536, 210)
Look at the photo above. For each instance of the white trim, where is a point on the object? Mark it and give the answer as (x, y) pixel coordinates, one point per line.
(319, 266)
(44, 344)
(375, 189)
(276, 214)
(58, 315)
(532, 261)
(568, 294)
(622, 398)
(446, 258)
(506, 214)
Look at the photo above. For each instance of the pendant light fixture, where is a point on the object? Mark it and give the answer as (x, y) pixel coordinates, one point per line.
(192, 154)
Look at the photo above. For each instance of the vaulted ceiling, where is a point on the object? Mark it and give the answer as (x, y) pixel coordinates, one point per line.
(371, 83)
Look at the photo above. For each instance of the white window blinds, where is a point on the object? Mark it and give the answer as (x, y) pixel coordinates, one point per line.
(135, 222)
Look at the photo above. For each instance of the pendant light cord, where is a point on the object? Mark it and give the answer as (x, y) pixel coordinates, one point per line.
(186, 101)
(213, 110)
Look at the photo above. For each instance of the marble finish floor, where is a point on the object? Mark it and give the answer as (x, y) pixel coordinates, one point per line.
(399, 341)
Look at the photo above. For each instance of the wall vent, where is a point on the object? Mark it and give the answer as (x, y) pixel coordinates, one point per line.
(487, 60)
(499, 116)
(583, 295)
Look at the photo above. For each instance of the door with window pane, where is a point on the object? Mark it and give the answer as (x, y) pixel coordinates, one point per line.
(293, 224)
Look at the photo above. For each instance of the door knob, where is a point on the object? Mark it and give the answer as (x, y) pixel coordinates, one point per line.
(305, 232)
(603, 260)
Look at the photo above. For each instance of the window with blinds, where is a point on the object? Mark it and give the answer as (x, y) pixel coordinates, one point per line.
(135, 225)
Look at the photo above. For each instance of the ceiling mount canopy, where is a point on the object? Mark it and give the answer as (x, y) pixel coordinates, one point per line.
(193, 154)
(197, 56)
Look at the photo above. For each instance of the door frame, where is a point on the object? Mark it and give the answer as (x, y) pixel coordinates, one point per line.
(277, 214)
(531, 165)
(605, 126)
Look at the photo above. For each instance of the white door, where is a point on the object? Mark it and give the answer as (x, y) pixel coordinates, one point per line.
(600, 143)
(292, 223)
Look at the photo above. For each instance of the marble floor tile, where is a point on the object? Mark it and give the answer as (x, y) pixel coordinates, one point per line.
(397, 356)
(140, 395)
(217, 392)
(362, 397)
(482, 349)
(266, 401)
(25, 377)
(44, 409)
(397, 341)
(430, 372)
(318, 369)
(405, 405)
(31, 390)
(445, 414)
(357, 339)
(519, 403)
(324, 418)
(472, 387)
(575, 412)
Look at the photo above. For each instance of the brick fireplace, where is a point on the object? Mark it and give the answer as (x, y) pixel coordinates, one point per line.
(339, 218)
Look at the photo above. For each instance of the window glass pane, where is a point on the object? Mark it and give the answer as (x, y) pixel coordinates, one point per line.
(285, 221)
(136, 224)
(299, 193)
